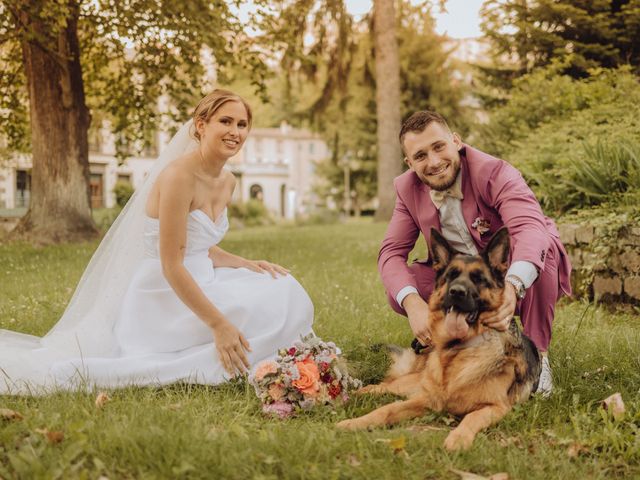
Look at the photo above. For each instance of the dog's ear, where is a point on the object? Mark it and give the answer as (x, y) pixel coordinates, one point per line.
(497, 252)
(440, 251)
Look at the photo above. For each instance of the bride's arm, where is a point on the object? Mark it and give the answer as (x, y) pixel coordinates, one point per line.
(175, 191)
(222, 258)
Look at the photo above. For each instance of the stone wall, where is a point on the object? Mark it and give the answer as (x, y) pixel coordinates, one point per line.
(606, 261)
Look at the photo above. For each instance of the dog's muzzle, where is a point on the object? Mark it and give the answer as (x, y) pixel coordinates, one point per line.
(460, 299)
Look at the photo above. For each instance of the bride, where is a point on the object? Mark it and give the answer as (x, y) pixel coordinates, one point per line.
(160, 302)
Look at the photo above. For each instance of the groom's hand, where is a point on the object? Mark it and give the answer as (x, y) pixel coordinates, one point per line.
(418, 314)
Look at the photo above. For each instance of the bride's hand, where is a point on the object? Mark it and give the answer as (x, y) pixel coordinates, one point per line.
(231, 346)
(261, 266)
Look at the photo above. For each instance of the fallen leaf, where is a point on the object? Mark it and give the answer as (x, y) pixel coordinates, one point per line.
(102, 399)
(54, 436)
(467, 475)
(353, 461)
(472, 476)
(7, 414)
(396, 444)
(576, 449)
(615, 405)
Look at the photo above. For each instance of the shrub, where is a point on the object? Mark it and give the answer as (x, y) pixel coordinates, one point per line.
(573, 140)
(608, 169)
(251, 213)
(123, 192)
(320, 216)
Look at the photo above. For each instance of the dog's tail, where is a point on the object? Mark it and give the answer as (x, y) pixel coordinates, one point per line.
(403, 361)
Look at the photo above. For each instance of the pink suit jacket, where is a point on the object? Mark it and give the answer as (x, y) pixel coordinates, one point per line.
(494, 191)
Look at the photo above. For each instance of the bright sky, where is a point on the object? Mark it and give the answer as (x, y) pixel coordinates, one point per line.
(461, 20)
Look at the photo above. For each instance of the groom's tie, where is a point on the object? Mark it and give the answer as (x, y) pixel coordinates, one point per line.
(438, 196)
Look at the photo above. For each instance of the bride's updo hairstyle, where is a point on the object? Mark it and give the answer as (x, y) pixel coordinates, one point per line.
(210, 104)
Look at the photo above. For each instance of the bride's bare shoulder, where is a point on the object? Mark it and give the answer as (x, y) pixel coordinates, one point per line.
(230, 179)
(180, 172)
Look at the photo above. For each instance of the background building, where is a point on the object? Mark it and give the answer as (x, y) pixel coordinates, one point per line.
(275, 166)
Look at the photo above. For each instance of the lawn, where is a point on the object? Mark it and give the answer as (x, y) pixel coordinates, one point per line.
(219, 432)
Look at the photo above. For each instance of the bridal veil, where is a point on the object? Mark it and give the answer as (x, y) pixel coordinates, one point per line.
(86, 328)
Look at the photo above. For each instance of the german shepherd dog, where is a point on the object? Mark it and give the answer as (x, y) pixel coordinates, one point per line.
(470, 370)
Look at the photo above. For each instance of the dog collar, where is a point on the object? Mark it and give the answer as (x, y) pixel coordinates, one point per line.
(475, 341)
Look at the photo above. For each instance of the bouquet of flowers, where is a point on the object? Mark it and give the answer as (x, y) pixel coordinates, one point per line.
(306, 374)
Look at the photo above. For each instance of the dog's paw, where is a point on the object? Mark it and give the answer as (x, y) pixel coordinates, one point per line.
(368, 389)
(351, 424)
(458, 440)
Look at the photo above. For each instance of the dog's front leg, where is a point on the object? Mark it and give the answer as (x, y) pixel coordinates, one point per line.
(404, 386)
(462, 436)
(388, 415)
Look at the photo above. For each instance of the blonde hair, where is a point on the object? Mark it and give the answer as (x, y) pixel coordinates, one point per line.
(210, 104)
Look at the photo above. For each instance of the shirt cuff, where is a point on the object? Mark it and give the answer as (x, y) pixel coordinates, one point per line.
(402, 294)
(525, 271)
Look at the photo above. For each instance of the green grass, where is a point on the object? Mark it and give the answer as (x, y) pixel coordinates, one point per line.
(205, 432)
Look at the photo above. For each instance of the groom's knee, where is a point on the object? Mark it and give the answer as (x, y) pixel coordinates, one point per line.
(425, 279)
(394, 305)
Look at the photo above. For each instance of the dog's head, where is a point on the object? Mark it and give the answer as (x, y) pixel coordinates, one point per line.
(466, 286)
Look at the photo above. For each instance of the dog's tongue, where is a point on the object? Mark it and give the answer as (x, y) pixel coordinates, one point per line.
(456, 324)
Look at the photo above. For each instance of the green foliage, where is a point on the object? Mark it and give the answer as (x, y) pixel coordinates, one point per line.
(576, 141)
(584, 35)
(349, 123)
(123, 192)
(251, 213)
(104, 217)
(131, 55)
(322, 216)
(184, 431)
(607, 169)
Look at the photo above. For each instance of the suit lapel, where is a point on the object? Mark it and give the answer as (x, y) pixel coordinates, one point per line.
(470, 210)
(427, 212)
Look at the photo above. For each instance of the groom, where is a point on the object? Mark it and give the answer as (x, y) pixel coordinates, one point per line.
(468, 195)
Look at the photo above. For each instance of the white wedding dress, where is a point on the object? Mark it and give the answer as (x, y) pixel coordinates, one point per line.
(126, 326)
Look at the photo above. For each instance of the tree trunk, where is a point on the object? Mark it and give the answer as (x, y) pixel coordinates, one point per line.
(387, 105)
(59, 209)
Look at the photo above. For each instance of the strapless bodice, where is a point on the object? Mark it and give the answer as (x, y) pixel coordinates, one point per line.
(202, 233)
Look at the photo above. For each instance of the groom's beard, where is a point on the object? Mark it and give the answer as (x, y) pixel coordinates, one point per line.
(443, 183)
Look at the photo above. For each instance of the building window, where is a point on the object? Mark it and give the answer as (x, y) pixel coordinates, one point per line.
(124, 177)
(96, 188)
(255, 192)
(23, 188)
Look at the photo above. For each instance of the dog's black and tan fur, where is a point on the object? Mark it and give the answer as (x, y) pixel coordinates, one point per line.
(471, 371)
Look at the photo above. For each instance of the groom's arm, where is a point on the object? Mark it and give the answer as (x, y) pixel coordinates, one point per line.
(399, 240)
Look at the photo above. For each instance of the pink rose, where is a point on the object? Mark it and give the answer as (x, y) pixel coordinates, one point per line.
(266, 368)
(281, 409)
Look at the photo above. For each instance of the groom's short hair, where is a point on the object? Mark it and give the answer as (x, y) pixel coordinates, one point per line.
(418, 121)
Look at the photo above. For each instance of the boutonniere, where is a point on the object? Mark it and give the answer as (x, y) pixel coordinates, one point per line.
(481, 225)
